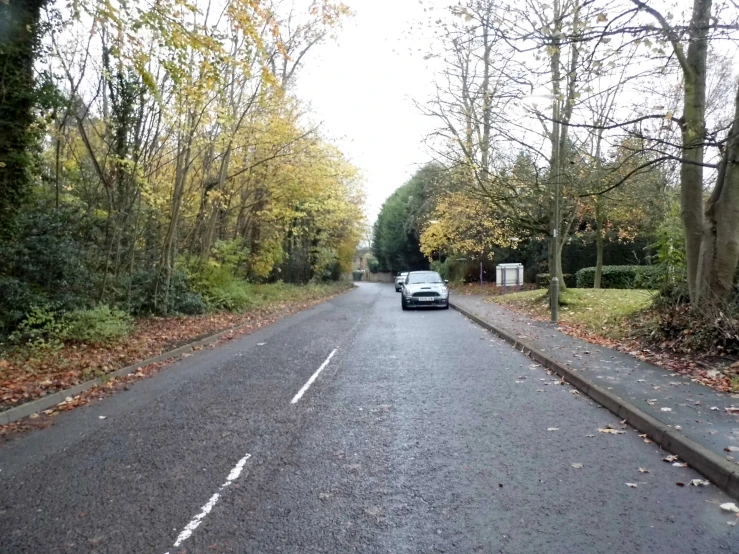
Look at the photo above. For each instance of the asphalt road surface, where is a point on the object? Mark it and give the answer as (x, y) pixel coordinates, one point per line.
(421, 433)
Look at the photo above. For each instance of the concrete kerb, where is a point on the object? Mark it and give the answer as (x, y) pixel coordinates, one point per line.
(46, 402)
(719, 471)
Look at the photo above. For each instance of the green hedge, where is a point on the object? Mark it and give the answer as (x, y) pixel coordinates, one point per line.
(543, 280)
(623, 277)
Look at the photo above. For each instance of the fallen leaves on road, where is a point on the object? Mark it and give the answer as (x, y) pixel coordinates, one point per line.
(552, 428)
(612, 431)
(729, 507)
(679, 464)
(643, 470)
(670, 458)
(632, 485)
(666, 409)
(731, 449)
(699, 483)
(577, 466)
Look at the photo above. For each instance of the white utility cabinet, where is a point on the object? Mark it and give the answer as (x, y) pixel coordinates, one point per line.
(509, 275)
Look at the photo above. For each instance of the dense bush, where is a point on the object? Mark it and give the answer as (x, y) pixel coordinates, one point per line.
(543, 280)
(442, 268)
(17, 298)
(140, 295)
(623, 277)
(43, 266)
(219, 287)
(41, 328)
(97, 325)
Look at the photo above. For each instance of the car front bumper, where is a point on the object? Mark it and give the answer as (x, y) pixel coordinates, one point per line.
(435, 303)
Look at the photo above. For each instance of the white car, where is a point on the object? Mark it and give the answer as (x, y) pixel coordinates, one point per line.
(424, 289)
(399, 281)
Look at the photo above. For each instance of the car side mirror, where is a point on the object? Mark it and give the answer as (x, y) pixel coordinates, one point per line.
(446, 281)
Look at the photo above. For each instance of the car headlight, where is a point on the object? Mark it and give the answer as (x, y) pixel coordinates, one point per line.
(406, 292)
(444, 291)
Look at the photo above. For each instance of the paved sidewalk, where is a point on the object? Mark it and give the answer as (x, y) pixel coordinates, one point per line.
(696, 410)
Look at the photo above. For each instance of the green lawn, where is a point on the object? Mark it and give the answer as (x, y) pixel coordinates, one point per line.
(602, 311)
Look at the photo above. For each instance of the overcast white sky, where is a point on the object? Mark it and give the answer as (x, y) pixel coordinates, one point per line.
(362, 86)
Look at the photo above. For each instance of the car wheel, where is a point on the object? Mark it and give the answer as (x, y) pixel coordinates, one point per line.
(402, 303)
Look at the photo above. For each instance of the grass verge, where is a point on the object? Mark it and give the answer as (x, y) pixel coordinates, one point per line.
(490, 289)
(606, 312)
(624, 320)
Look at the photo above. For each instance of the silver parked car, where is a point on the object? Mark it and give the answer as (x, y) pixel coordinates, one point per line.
(424, 289)
(399, 281)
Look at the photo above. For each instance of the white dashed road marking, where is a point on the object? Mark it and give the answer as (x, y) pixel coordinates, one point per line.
(313, 377)
(205, 510)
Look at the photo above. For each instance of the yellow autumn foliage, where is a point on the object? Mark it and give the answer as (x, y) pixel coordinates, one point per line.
(462, 225)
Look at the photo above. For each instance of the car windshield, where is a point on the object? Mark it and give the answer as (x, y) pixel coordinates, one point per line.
(430, 277)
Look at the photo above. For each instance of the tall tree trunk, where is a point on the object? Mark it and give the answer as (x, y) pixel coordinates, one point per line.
(701, 252)
(170, 241)
(216, 207)
(720, 244)
(693, 137)
(554, 163)
(562, 113)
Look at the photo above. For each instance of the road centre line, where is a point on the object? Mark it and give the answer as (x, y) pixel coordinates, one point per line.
(238, 468)
(312, 378)
(205, 510)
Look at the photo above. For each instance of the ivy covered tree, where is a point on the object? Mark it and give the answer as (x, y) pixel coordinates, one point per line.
(19, 44)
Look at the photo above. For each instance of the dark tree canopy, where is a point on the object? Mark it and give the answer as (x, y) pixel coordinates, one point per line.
(398, 228)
